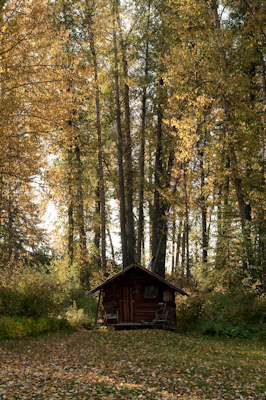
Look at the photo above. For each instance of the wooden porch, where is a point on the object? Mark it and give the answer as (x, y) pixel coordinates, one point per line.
(139, 325)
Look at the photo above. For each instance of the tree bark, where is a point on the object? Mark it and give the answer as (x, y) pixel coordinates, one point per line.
(10, 216)
(97, 229)
(99, 139)
(262, 63)
(111, 245)
(158, 207)
(71, 203)
(178, 243)
(120, 155)
(85, 274)
(128, 155)
(186, 224)
(183, 252)
(141, 184)
(203, 211)
(173, 246)
(262, 222)
(162, 210)
(243, 207)
(142, 148)
(70, 225)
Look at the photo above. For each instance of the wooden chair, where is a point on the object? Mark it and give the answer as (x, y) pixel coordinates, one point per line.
(109, 315)
(164, 314)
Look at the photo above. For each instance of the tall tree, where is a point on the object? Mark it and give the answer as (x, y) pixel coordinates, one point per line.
(30, 87)
(142, 140)
(128, 150)
(119, 140)
(89, 20)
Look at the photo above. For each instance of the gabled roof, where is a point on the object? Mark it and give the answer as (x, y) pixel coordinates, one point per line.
(173, 287)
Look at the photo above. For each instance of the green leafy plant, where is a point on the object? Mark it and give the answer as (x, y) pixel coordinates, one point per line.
(237, 306)
(16, 327)
(82, 313)
(188, 309)
(227, 329)
(31, 294)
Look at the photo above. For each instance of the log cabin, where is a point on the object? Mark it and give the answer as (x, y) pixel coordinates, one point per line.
(137, 297)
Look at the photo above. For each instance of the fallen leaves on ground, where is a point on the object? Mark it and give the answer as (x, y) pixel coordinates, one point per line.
(143, 364)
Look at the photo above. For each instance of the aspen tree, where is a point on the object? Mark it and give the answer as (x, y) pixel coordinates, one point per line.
(142, 142)
(119, 140)
(29, 92)
(128, 149)
(89, 20)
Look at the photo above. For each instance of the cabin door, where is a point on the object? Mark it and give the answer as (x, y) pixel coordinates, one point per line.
(128, 303)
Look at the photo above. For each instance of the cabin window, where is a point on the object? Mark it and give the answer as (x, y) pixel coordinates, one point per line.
(151, 292)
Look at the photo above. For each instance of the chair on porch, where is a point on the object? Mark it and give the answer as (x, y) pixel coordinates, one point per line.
(109, 315)
(164, 314)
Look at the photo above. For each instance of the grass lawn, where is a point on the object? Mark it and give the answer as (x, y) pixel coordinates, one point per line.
(143, 364)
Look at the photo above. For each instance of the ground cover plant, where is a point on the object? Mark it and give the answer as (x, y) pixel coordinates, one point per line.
(19, 327)
(33, 302)
(141, 364)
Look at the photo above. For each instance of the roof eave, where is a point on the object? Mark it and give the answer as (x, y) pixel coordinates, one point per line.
(99, 287)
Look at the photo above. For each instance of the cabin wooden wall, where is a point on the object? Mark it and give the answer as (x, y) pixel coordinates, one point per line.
(127, 295)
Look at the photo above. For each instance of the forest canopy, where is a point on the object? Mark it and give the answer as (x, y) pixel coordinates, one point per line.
(142, 120)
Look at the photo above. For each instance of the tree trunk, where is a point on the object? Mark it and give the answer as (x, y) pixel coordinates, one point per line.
(243, 207)
(10, 216)
(70, 226)
(111, 245)
(141, 178)
(97, 229)
(85, 274)
(222, 253)
(203, 211)
(158, 207)
(71, 222)
(128, 156)
(186, 224)
(178, 243)
(120, 156)
(183, 253)
(262, 63)
(99, 138)
(173, 246)
(262, 222)
(142, 147)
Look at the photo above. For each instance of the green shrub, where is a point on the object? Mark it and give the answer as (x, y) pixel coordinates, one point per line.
(36, 294)
(19, 327)
(224, 329)
(227, 329)
(236, 306)
(224, 312)
(31, 294)
(82, 312)
(188, 309)
(10, 300)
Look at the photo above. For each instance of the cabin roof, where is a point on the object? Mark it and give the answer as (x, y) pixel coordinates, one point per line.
(173, 287)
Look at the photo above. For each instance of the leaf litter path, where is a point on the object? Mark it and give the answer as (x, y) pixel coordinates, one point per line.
(146, 364)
